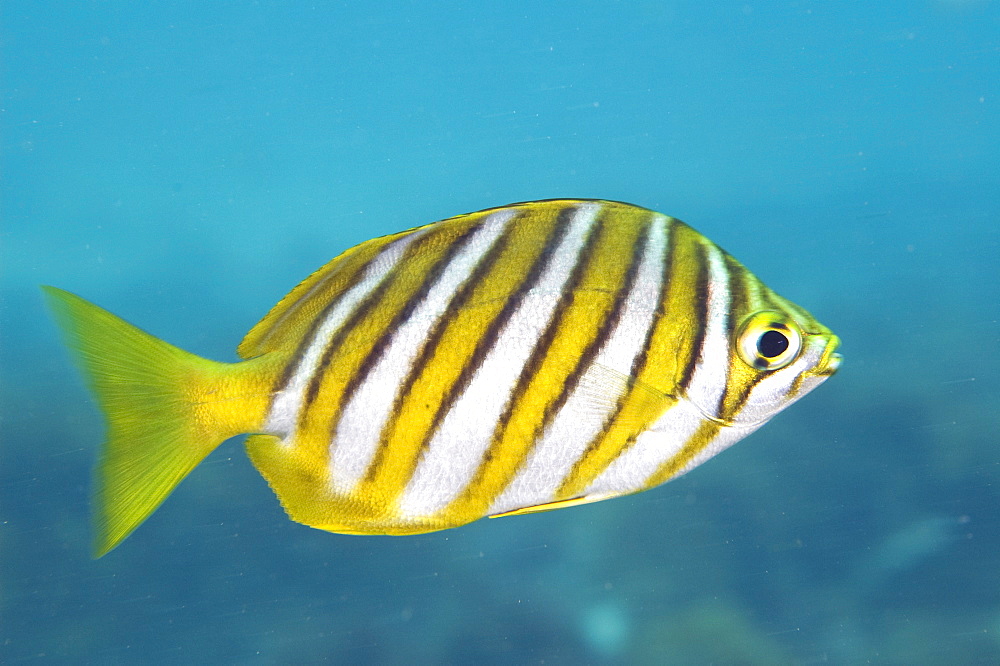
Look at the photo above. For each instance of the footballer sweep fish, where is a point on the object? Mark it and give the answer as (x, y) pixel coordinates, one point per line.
(517, 359)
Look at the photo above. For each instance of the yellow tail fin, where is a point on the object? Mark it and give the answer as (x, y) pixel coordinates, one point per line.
(166, 410)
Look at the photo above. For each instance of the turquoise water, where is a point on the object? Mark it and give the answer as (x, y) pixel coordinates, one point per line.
(186, 164)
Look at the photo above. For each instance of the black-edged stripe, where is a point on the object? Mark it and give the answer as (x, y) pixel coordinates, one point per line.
(609, 325)
(364, 307)
(740, 300)
(433, 340)
(700, 328)
(676, 234)
(378, 349)
(316, 323)
(597, 236)
(489, 339)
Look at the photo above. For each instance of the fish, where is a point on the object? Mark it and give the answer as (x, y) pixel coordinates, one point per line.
(523, 358)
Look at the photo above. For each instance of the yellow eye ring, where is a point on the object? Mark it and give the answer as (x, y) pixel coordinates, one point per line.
(768, 340)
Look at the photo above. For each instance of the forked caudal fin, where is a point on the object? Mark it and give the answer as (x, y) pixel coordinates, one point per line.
(166, 409)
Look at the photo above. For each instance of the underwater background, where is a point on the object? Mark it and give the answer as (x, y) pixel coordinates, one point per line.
(184, 164)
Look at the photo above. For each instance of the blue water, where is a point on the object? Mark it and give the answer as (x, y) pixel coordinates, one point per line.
(186, 164)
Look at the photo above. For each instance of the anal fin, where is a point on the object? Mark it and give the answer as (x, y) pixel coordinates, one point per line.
(552, 506)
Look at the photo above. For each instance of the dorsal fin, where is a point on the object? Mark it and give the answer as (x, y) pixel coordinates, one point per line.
(290, 319)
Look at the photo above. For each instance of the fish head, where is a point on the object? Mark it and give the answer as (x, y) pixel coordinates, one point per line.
(775, 356)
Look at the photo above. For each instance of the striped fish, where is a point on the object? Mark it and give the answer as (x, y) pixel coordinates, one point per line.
(516, 359)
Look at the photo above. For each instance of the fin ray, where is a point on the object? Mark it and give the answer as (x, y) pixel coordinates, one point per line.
(166, 410)
(291, 317)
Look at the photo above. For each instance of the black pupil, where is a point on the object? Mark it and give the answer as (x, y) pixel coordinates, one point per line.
(771, 344)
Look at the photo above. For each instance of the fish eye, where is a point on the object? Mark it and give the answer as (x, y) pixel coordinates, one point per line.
(768, 341)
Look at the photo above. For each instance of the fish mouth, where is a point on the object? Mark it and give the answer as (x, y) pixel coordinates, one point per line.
(830, 361)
